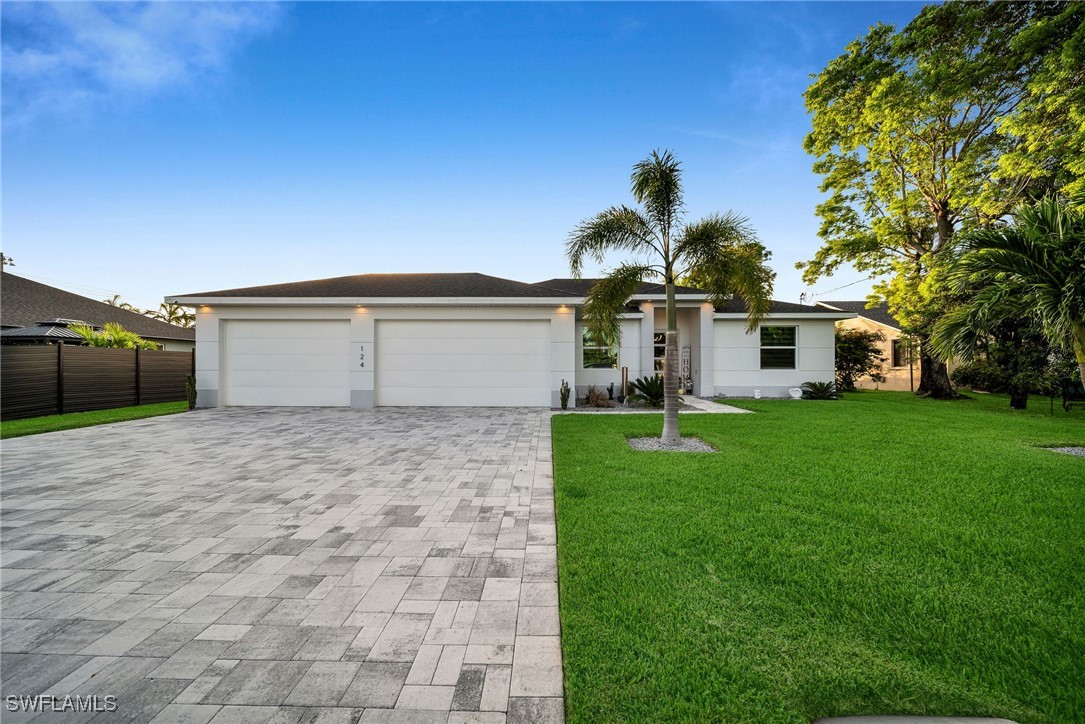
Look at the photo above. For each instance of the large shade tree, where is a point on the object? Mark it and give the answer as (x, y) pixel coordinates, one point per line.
(1034, 267)
(721, 251)
(909, 127)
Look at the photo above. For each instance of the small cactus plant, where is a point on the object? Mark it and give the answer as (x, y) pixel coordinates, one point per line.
(564, 392)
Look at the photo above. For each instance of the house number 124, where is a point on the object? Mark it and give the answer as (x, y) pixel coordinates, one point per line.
(361, 356)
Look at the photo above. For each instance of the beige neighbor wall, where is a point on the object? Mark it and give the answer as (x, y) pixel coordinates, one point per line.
(896, 378)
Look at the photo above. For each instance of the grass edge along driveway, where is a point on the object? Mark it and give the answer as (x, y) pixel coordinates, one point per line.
(72, 420)
(880, 554)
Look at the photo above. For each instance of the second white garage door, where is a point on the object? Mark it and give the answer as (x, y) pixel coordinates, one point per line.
(288, 363)
(463, 363)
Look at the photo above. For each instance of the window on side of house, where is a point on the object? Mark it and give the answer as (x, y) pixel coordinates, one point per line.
(778, 348)
(901, 356)
(598, 356)
(659, 350)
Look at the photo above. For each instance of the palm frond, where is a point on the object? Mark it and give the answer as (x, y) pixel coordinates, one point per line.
(617, 228)
(728, 259)
(1041, 257)
(607, 299)
(657, 185)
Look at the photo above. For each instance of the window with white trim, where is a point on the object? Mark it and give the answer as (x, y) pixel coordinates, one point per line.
(599, 356)
(778, 348)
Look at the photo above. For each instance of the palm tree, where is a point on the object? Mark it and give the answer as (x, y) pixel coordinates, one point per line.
(173, 314)
(1035, 267)
(723, 251)
(115, 301)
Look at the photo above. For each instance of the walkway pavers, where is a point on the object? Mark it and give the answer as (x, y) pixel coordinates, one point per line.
(286, 565)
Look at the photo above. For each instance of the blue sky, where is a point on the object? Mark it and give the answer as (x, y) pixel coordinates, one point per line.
(169, 148)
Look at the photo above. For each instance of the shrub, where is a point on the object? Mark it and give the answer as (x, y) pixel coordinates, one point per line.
(190, 390)
(648, 389)
(980, 374)
(112, 335)
(597, 397)
(858, 355)
(564, 392)
(820, 391)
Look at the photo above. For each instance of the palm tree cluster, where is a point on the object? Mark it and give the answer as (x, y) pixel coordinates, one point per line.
(722, 251)
(1034, 267)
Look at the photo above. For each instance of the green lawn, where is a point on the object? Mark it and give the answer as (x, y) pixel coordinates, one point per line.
(52, 423)
(878, 554)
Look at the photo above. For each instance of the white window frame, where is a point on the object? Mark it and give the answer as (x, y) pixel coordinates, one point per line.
(586, 343)
(794, 348)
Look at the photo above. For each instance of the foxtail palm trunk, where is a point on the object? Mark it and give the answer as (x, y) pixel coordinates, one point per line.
(670, 373)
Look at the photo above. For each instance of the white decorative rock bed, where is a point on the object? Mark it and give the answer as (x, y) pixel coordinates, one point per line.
(686, 444)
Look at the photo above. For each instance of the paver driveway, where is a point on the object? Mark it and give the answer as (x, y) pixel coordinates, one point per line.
(253, 565)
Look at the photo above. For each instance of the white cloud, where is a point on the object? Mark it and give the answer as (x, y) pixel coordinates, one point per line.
(74, 58)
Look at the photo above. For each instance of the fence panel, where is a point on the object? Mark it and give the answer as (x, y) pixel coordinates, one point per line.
(28, 381)
(98, 378)
(162, 376)
(93, 379)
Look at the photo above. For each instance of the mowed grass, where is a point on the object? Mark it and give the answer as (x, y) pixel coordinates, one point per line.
(880, 554)
(52, 423)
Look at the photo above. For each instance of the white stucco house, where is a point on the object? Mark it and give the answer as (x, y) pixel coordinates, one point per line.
(476, 340)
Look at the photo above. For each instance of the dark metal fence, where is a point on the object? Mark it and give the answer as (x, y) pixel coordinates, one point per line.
(55, 379)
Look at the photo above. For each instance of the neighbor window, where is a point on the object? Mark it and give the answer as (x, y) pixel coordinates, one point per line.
(901, 357)
(659, 349)
(778, 348)
(599, 357)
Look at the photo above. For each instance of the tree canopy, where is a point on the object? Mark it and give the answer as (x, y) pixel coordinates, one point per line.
(911, 132)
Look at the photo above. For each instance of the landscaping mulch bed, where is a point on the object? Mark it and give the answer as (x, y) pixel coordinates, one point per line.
(686, 444)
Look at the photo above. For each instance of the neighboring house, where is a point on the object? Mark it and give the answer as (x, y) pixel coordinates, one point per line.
(472, 339)
(26, 305)
(901, 367)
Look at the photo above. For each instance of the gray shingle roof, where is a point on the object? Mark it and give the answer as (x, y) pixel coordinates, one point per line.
(24, 303)
(469, 284)
(879, 314)
(580, 287)
(737, 306)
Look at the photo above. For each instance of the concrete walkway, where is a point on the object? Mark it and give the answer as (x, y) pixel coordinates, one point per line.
(278, 565)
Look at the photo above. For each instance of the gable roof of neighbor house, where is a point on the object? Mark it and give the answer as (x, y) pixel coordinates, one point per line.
(879, 313)
(470, 284)
(25, 303)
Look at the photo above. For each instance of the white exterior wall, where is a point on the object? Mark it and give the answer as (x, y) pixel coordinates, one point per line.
(211, 376)
(737, 357)
(173, 345)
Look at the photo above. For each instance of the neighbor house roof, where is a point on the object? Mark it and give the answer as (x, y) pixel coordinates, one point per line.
(24, 303)
(580, 287)
(470, 284)
(44, 331)
(879, 313)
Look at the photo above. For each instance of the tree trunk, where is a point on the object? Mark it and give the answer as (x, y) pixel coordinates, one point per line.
(671, 435)
(1079, 349)
(1018, 398)
(934, 376)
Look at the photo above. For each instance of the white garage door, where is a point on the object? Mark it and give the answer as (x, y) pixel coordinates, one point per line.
(461, 363)
(288, 363)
